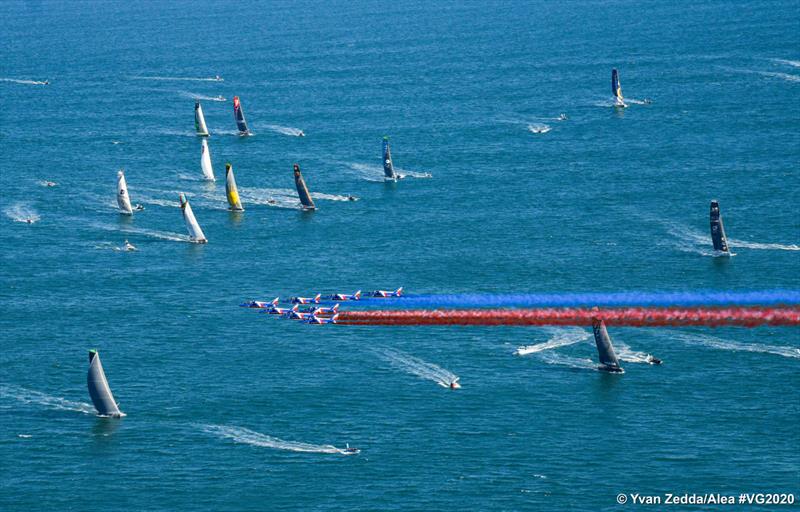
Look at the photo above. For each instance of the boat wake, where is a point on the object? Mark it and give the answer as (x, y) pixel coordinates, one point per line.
(539, 128)
(201, 97)
(331, 197)
(558, 338)
(30, 396)
(179, 78)
(151, 233)
(284, 130)
(721, 344)
(792, 63)
(691, 240)
(375, 173)
(625, 353)
(23, 82)
(770, 74)
(253, 438)
(568, 361)
(416, 366)
(21, 213)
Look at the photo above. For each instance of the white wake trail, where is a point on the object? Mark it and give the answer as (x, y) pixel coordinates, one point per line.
(30, 396)
(284, 130)
(151, 233)
(179, 78)
(558, 338)
(21, 213)
(555, 358)
(416, 366)
(627, 354)
(253, 438)
(735, 346)
(202, 97)
(539, 128)
(23, 82)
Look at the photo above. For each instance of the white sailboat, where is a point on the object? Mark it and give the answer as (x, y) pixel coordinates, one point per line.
(205, 161)
(123, 200)
(195, 233)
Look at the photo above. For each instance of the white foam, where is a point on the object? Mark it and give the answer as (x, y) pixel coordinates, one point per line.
(179, 78)
(23, 82)
(195, 96)
(402, 173)
(539, 128)
(559, 337)
(771, 74)
(21, 213)
(375, 173)
(793, 63)
(151, 233)
(30, 396)
(253, 438)
(722, 344)
(329, 197)
(757, 245)
(416, 366)
(625, 353)
(555, 358)
(284, 130)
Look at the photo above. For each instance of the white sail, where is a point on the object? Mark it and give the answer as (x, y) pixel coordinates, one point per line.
(200, 120)
(123, 200)
(205, 161)
(195, 233)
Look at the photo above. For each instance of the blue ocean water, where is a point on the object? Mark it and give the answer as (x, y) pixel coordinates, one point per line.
(217, 396)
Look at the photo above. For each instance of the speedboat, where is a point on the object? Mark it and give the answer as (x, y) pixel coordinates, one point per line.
(348, 450)
(454, 384)
(128, 246)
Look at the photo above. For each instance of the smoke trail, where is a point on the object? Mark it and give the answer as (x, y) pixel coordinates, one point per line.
(607, 299)
(632, 317)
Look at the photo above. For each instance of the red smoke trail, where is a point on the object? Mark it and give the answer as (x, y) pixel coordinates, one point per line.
(632, 317)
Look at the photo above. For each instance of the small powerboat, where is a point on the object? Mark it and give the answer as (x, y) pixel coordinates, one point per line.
(348, 450)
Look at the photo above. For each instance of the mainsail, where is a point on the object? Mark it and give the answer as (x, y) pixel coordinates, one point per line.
(616, 89)
(101, 395)
(238, 113)
(205, 161)
(302, 190)
(123, 200)
(231, 191)
(717, 229)
(605, 351)
(200, 120)
(388, 168)
(195, 233)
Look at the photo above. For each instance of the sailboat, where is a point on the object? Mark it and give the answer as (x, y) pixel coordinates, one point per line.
(195, 233)
(238, 113)
(302, 190)
(718, 237)
(231, 191)
(616, 90)
(200, 120)
(123, 200)
(205, 161)
(605, 351)
(99, 390)
(388, 168)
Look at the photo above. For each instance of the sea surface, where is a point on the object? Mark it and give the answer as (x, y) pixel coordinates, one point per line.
(228, 409)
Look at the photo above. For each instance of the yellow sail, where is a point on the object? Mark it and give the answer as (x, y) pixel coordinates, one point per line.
(231, 191)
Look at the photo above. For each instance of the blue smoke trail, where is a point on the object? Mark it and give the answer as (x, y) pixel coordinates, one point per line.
(601, 299)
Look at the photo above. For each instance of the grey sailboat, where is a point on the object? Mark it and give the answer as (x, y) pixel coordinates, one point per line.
(605, 351)
(101, 395)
